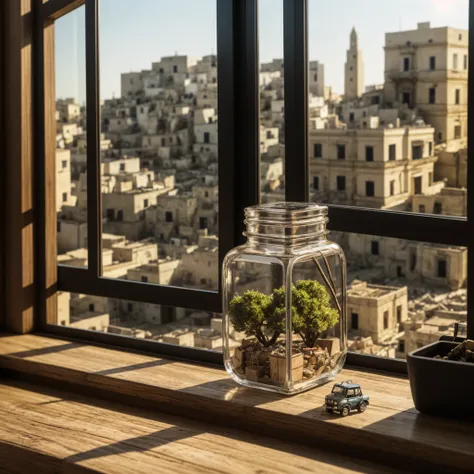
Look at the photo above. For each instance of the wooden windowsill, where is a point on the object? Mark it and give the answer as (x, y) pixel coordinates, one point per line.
(390, 431)
(44, 430)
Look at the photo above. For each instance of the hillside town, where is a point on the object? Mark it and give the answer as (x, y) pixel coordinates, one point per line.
(400, 145)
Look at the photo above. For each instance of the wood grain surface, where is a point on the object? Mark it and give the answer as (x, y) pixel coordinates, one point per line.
(391, 430)
(45, 430)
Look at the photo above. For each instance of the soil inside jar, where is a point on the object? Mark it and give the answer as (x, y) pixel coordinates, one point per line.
(268, 364)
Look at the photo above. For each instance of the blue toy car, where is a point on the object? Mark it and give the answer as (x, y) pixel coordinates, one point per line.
(345, 397)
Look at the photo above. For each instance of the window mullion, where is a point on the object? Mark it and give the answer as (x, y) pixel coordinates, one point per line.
(296, 99)
(94, 234)
(470, 179)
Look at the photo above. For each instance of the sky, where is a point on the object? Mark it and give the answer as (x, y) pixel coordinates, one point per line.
(135, 33)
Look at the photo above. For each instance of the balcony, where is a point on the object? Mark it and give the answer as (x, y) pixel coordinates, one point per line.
(397, 75)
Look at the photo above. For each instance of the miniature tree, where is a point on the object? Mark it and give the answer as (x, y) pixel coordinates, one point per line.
(312, 311)
(276, 311)
(248, 313)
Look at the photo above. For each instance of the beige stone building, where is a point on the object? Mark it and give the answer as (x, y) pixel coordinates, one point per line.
(451, 165)
(273, 66)
(82, 312)
(376, 311)
(63, 179)
(200, 268)
(269, 137)
(125, 211)
(316, 78)
(421, 333)
(127, 192)
(433, 265)
(132, 82)
(172, 65)
(173, 216)
(159, 272)
(71, 230)
(427, 68)
(67, 132)
(354, 69)
(68, 110)
(207, 195)
(433, 315)
(449, 201)
(374, 167)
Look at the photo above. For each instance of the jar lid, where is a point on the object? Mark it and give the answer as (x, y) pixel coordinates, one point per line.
(286, 211)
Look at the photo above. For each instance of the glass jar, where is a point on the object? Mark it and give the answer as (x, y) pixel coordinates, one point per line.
(285, 288)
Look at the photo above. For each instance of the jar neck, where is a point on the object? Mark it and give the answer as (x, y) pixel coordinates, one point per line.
(263, 242)
(285, 225)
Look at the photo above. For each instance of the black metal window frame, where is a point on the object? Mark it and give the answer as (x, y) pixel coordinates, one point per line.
(239, 176)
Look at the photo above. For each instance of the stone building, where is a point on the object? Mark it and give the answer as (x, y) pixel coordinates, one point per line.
(68, 110)
(374, 167)
(160, 272)
(63, 179)
(451, 165)
(71, 229)
(82, 312)
(67, 132)
(433, 315)
(449, 201)
(207, 195)
(140, 253)
(376, 311)
(427, 68)
(316, 78)
(173, 216)
(125, 211)
(269, 137)
(131, 82)
(173, 65)
(273, 66)
(200, 268)
(421, 333)
(127, 192)
(354, 70)
(433, 265)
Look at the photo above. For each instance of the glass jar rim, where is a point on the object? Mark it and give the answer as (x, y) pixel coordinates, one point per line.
(293, 212)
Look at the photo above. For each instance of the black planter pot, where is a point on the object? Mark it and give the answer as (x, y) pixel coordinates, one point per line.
(441, 387)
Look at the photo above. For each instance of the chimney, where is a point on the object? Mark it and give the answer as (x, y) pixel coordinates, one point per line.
(424, 25)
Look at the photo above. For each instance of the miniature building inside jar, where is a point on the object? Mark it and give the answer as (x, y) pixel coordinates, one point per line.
(285, 300)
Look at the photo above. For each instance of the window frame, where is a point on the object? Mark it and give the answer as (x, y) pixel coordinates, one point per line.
(238, 94)
(316, 181)
(369, 153)
(237, 36)
(317, 150)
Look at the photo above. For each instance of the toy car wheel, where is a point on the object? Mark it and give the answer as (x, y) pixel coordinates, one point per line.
(329, 410)
(345, 411)
(362, 407)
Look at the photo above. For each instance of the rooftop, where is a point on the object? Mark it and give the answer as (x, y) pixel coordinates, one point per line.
(362, 289)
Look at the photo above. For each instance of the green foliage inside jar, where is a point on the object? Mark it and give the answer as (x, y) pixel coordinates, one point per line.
(263, 316)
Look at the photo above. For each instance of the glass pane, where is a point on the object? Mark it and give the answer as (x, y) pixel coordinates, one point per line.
(159, 154)
(71, 139)
(172, 325)
(272, 120)
(388, 105)
(401, 294)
